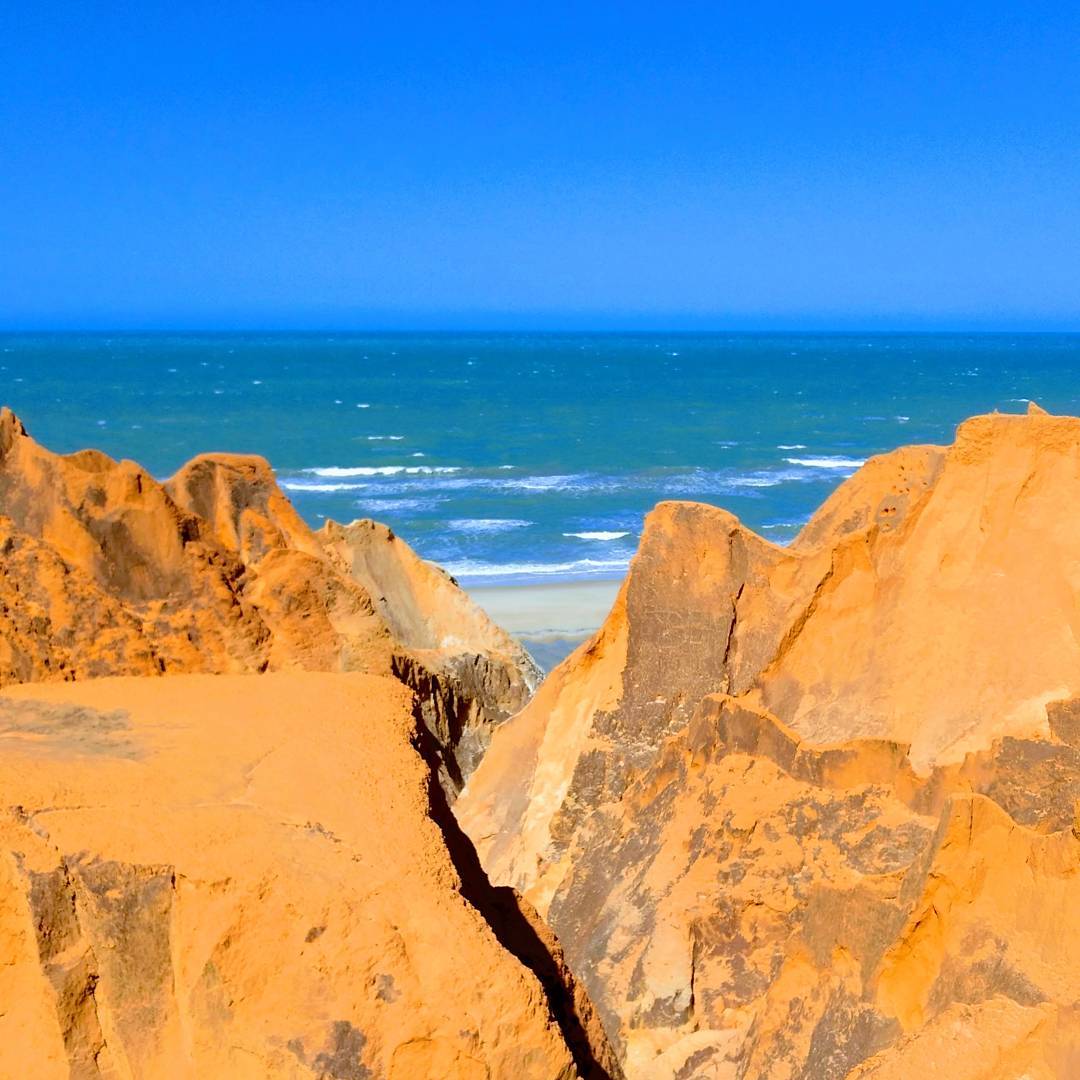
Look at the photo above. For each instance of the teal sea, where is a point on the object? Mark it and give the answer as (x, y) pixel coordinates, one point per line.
(514, 458)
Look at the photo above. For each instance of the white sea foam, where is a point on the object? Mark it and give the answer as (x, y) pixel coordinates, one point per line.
(535, 485)
(384, 438)
(310, 485)
(579, 567)
(487, 525)
(791, 446)
(688, 482)
(570, 483)
(597, 535)
(827, 462)
(383, 470)
(540, 483)
(393, 506)
(757, 480)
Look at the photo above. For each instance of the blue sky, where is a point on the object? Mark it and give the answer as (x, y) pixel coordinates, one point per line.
(546, 165)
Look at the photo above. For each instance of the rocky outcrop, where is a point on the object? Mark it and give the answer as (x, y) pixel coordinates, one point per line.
(106, 571)
(256, 876)
(469, 673)
(773, 808)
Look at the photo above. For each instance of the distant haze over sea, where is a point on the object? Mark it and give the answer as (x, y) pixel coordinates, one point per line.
(522, 457)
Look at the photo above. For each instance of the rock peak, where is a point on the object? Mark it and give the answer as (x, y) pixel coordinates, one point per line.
(11, 428)
(810, 809)
(109, 572)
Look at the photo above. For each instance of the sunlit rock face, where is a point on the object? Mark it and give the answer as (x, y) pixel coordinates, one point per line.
(809, 811)
(257, 876)
(106, 571)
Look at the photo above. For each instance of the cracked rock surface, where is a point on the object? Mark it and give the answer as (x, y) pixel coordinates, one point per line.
(809, 812)
(256, 876)
(104, 570)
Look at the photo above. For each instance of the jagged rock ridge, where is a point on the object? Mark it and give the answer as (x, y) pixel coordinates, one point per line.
(808, 811)
(106, 571)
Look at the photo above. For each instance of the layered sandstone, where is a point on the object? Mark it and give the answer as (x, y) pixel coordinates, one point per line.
(809, 811)
(255, 876)
(106, 571)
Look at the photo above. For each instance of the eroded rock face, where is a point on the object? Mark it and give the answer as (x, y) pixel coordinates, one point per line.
(105, 571)
(470, 675)
(255, 876)
(773, 808)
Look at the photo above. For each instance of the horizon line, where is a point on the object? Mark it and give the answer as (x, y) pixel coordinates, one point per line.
(539, 330)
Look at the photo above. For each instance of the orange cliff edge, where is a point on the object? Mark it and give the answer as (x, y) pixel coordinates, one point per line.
(226, 845)
(106, 571)
(810, 811)
(792, 813)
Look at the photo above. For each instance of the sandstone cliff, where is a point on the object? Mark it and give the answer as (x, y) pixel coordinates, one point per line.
(255, 876)
(106, 571)
(808, 811)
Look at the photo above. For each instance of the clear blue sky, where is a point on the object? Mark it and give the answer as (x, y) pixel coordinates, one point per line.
(753, 165)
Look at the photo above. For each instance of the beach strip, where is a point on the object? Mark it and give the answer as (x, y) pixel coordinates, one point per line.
(550, 618)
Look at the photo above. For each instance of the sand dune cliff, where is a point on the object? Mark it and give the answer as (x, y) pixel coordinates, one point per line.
(255, 876)
(809, 811)
(802, 812)
(106, 571)
(228, 747)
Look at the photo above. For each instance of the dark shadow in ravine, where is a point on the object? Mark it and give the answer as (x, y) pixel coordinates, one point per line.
(502, 909)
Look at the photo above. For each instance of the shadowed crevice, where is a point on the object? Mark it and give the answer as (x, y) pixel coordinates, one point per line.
(507, 916)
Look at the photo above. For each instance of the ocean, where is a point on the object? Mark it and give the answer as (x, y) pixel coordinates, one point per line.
(514, 458)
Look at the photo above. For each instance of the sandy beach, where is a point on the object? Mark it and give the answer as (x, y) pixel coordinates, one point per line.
(565, 609)
(550, 619)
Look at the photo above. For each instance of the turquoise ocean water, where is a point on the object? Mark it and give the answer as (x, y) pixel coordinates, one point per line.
(514, 458)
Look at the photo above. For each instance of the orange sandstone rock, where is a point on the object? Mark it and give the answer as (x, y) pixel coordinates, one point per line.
(105, 571)
(255, 876)
(809, 811)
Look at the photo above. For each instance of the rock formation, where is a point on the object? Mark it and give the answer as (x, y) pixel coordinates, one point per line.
(256, 876)
(469, 674)
(809, 811)
(106, 571)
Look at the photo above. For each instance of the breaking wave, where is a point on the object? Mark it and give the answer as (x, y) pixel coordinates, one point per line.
(468, 569)
(600, 535)
(486, 525)
(383, 470)
(827, 461)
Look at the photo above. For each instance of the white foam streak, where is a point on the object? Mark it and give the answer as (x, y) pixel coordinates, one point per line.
(597, 535)
(579, 567)
(827, 462)
(383, 470)
(308, 485)
(486, 525)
